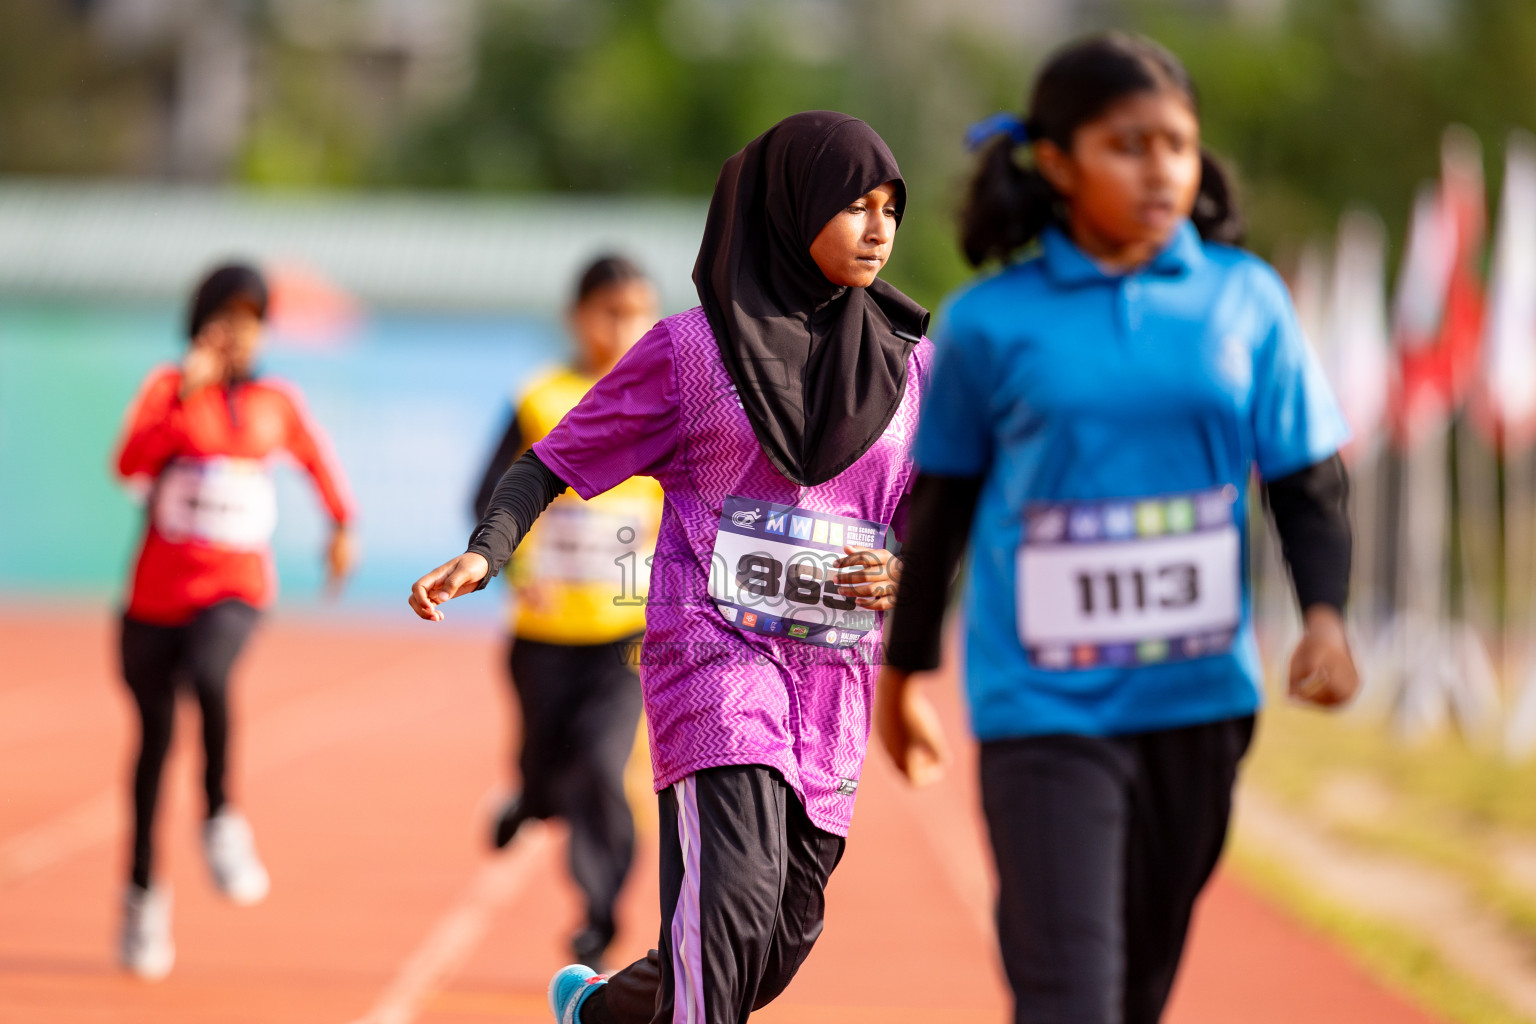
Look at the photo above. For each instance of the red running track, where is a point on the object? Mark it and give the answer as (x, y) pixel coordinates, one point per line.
(365, 757)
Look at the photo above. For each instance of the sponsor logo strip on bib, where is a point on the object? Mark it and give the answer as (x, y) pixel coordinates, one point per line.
(1130, 582)
(773, 571)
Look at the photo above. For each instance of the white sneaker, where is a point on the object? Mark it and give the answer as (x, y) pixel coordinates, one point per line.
(146, 948)
(231, 852)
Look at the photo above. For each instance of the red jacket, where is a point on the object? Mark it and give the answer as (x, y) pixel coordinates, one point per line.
(211, 507)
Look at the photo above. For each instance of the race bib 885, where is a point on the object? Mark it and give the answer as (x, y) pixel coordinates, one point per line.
(773, 571)
(1130, 582)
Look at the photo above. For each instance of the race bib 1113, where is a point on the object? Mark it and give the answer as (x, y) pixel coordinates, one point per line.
(773, 572)
(1130, 582)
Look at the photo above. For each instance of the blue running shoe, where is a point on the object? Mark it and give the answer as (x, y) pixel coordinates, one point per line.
(569, 988)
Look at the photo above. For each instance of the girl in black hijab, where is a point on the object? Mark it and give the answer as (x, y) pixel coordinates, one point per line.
(820, 366)
(777, 417)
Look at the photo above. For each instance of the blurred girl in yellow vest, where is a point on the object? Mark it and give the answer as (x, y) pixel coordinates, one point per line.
(578, 613)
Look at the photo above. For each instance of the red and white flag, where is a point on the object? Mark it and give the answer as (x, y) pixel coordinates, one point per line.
(1358, 350)
(1508, 391)
(1437, 326)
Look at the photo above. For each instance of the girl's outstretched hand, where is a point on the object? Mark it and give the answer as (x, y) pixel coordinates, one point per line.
(1322, 669)
(909, 728)
(446, 582)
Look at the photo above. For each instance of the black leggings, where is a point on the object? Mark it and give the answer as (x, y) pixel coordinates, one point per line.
(1103, 845)
(155, 660)
(580, 706)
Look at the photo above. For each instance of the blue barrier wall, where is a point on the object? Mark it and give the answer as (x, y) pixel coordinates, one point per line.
(413, 404)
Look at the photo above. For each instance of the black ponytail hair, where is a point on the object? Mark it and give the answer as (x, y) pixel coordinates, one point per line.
(1008, 205)
(223, 286)
(604, 272)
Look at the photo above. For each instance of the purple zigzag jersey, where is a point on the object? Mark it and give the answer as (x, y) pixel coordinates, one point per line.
(715, 695)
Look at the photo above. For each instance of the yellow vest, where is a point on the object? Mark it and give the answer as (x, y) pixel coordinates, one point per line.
(580, 576)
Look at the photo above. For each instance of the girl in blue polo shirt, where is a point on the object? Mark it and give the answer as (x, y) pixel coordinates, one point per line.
(1096, 413)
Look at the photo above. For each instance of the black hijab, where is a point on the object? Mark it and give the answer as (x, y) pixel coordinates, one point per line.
(820, 368)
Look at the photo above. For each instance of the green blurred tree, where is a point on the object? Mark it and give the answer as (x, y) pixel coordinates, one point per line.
(573, 97)
(1325, 103)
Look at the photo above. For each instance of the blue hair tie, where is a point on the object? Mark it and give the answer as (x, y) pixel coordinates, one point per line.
(1005, 123)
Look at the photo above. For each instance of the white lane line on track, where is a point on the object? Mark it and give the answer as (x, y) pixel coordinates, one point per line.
(954, 840)
(81, 827)
(298, 728)
(457, 933)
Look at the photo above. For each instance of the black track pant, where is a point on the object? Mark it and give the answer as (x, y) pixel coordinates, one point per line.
(156, 659)
(1102, 846)
(580, 706)
(743, 877)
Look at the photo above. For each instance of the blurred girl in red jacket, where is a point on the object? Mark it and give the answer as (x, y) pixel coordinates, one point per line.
(202, 435)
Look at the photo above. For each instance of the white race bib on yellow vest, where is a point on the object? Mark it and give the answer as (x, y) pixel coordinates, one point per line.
(580, 544)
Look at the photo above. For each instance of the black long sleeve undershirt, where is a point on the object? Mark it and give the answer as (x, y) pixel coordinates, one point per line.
(524, 491)
(1310, 508)
(938, 525)
(1311, 512)
(501, 460)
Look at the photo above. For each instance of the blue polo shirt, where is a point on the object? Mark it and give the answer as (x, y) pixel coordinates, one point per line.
(1117, 421)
